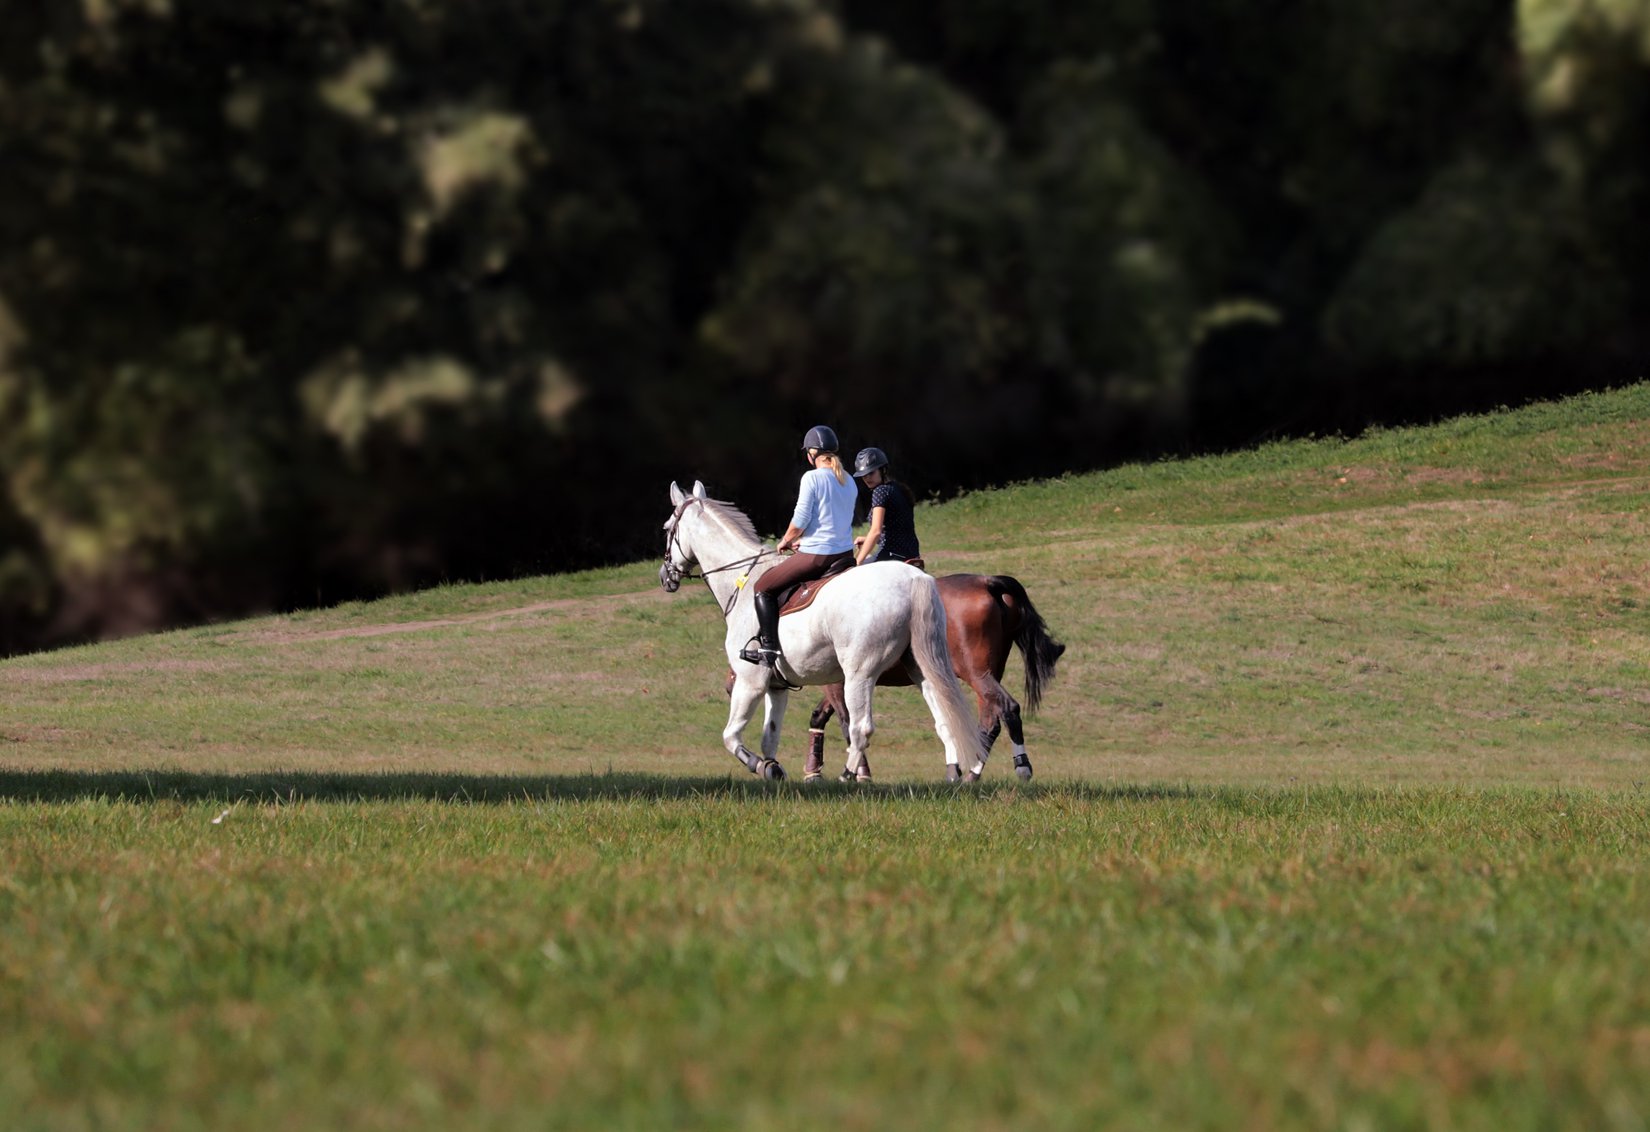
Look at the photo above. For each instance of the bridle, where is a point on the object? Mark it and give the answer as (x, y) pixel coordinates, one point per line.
(671, 575)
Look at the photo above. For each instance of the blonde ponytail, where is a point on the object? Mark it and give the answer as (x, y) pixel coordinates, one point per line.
(834, 462)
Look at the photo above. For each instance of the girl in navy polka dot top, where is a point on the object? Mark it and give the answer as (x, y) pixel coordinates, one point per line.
(893, 533)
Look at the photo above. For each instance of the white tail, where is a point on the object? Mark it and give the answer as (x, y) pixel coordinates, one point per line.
(934, 659)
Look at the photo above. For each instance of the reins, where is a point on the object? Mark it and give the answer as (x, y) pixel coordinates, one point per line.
(743, 565)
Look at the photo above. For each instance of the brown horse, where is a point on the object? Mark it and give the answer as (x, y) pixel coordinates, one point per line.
(985, 615)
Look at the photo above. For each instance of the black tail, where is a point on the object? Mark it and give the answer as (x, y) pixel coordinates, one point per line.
(1039, 650)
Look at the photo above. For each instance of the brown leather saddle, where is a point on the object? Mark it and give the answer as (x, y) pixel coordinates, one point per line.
(800, 597)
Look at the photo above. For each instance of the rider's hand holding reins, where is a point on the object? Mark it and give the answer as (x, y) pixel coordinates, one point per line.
(788, 540)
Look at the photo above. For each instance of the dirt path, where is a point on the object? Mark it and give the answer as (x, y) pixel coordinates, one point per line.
(292, 635)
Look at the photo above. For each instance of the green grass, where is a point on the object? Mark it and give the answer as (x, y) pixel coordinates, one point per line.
(626, 954)
(1339, 822)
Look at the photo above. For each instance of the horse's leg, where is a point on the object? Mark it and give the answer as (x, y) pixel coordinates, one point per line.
(931, 696)
(1022, 761)
(835, 699)
(995, 705)
(772, 719)
(741, 706)
(953, 771)
(860, 726)
(991, 711)
(849, 773)
(814, 769)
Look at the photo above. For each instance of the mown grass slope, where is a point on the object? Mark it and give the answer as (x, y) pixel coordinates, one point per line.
(1457, 604)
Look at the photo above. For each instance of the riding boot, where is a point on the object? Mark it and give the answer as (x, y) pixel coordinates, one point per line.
(767, 633)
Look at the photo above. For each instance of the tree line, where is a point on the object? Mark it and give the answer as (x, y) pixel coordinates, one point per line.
(308, 301)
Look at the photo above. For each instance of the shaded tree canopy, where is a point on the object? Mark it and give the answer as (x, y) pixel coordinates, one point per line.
(308, 301)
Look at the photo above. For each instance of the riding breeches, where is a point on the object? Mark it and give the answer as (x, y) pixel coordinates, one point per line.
(796, 569)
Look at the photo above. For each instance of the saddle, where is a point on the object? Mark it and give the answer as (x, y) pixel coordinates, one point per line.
(800, 597)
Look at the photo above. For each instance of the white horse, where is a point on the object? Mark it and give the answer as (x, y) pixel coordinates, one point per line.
(863, 623)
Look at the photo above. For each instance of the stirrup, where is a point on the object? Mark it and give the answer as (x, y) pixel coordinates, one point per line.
(766, 657)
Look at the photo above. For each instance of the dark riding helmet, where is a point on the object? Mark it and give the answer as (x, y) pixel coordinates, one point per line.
(821, 437)
(868, 461)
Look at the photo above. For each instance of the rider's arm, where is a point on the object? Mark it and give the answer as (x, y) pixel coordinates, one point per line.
(869, 546)
(802, 515)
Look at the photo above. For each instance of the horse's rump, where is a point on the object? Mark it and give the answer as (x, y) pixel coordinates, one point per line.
(986, 616)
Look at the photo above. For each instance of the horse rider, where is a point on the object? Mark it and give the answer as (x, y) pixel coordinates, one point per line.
(822, 530)
(893, 531)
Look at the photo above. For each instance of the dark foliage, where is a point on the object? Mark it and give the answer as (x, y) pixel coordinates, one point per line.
(306, 302)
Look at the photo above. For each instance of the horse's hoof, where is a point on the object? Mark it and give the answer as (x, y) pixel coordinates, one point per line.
(1023, 770)
(771, 770)
(971, 776)
(953, 772)
(812, 776)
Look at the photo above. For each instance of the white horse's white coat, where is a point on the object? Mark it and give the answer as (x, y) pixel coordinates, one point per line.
(858, 627)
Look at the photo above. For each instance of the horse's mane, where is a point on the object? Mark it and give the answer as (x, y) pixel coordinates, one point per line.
(732, 518)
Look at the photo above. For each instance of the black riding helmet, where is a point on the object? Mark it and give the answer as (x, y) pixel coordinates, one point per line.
(821, 437)
(868, 461)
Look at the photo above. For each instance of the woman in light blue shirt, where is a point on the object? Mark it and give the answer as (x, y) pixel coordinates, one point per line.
(821, 530)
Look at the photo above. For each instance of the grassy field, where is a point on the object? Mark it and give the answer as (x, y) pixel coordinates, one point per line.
(1339, 822)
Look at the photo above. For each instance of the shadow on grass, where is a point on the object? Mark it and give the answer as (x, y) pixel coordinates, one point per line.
(276, 787)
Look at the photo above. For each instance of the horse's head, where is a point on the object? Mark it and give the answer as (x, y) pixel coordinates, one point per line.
(679, 554)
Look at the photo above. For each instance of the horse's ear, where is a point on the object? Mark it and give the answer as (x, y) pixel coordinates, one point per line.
(699, 488)
(676, 495)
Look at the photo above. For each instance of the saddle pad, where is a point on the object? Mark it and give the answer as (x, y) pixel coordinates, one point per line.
(803, 596)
